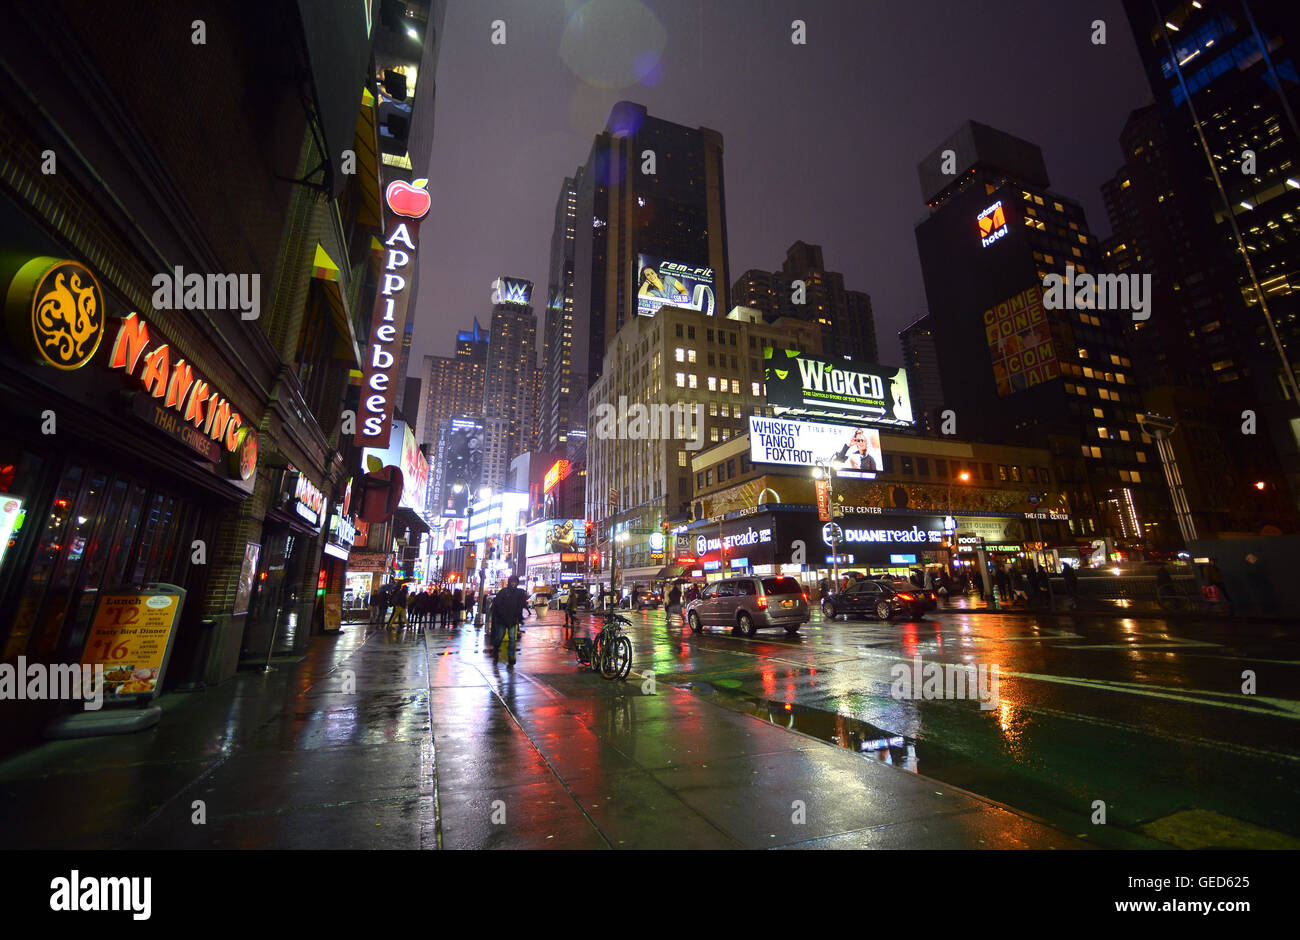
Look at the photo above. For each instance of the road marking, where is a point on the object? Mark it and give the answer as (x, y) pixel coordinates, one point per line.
(1282, 708)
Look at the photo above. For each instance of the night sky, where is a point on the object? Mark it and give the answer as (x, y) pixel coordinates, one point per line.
(821, 140)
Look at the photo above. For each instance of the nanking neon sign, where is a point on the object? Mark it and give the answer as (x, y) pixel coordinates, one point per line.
(180, 387)
(993, 224)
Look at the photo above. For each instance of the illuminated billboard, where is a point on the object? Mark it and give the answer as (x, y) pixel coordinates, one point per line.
(556, 535)
(460, 461)
(402, 453)
(1020, 342)
(559, 470)
(512, 290)
(671, 283)
(850, 451)
(820, 387)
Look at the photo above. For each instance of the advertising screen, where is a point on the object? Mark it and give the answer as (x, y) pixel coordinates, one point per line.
(661, 282)
(402, 453)
(822, 387)
(460, 460)
(852, 452)
(556, 535)
(513, 290)
(1020, 342)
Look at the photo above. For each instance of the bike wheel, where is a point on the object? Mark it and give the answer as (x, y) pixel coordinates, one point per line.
(607, 659)
(620, 658)
(597, 650)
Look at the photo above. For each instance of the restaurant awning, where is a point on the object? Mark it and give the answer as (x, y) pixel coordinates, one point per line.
(670, 571)
(326, 273)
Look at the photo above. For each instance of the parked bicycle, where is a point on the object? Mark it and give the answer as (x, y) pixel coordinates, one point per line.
(610, 651)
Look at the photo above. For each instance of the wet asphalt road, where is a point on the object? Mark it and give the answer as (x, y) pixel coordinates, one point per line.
(1146, 716)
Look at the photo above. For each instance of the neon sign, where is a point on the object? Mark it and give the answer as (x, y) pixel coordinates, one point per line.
(992, 223)
(559, 470)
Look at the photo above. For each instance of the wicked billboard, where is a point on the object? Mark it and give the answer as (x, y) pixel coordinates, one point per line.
(803, 384)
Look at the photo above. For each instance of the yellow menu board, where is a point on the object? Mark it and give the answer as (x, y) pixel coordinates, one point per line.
(130, 636)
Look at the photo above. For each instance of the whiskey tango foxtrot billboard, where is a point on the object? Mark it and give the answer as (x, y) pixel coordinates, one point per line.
(800, 383)
(670, 283)
(852, 452)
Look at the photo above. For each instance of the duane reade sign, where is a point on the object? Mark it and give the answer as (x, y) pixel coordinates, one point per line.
(800, 383)
(407, 204)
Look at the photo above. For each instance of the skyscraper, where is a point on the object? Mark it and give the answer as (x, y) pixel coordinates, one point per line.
(844, 316)
(1224, 77)
(1014, 370)
(650, 189)
(453, 385)
(558, 381)
(921, 360)
(508, 385)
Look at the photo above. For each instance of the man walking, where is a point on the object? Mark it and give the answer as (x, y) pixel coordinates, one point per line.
(399, 606)
(674, 604)
(507, 613)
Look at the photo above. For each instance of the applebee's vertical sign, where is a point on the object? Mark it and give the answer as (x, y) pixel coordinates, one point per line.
(408, 203)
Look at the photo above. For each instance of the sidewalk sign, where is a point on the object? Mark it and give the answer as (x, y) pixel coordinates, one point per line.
(131, 636)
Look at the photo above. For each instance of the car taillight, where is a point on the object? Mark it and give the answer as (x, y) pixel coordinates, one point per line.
(762, 602)
(805, 596)
(906, 597)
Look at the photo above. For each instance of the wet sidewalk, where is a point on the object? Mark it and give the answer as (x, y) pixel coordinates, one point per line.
(413, 739)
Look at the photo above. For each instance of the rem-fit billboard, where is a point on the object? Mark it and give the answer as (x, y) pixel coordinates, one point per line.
(671, 283)
(802, 384)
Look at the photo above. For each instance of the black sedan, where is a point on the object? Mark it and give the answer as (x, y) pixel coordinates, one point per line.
(929, 600)
(876, 598)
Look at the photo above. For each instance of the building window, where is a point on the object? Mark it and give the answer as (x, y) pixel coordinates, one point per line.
(708, 477)
(699, 480)
(940, 468)
(690, 332)
(693, 380)
(681, 379)
(1015, 474)
(987, 468)
(679, 331)
(753, 389)
(907, 465)
(690, 355)
(681, 458)
(713, 434)
(1002, 473)
(710, 359)
(713, 384)
(710, 336)
(680, 354)
(923, 466)
(713, 408)
(722, 472)
(731, 468)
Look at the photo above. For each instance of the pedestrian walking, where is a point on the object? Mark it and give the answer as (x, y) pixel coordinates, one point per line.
(1071, 578)
(508, 607)
(674, 604)
(399, 606)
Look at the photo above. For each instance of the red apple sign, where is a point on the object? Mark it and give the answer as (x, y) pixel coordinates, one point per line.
(410, 201)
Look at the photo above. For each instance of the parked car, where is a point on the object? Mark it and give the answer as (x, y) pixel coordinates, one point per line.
(746, 604)
(876, 598)
(560, 601)
(929, 600)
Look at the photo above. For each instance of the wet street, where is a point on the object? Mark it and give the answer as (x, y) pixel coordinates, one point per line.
(415, 739)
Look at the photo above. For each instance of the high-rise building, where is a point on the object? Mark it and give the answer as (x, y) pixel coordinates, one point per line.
(805, 290)
(512, 361)
(652, 190)
(1192, 358)
(558, 386)
(1224, 77)
(713, 366)
(453, 385)
(921, 360)
(1013, 370)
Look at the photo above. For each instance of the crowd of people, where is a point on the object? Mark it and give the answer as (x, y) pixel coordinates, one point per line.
(433, 606)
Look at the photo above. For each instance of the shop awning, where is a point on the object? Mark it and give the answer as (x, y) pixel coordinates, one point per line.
(326, 273)
(670, 571)
(366, 147)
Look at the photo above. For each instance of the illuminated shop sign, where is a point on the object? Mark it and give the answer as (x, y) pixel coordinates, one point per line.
(751, 536)
(202, 408)
(407, 204)
(559, 470)
(846, 535)
(992, 224)
(902, 559)
(800, 383)
(308, 500)
(55, 312)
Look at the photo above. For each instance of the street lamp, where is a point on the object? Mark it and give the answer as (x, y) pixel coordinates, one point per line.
(484, 492)
(824, 471)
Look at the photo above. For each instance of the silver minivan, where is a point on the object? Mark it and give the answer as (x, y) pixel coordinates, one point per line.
(745, 604)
